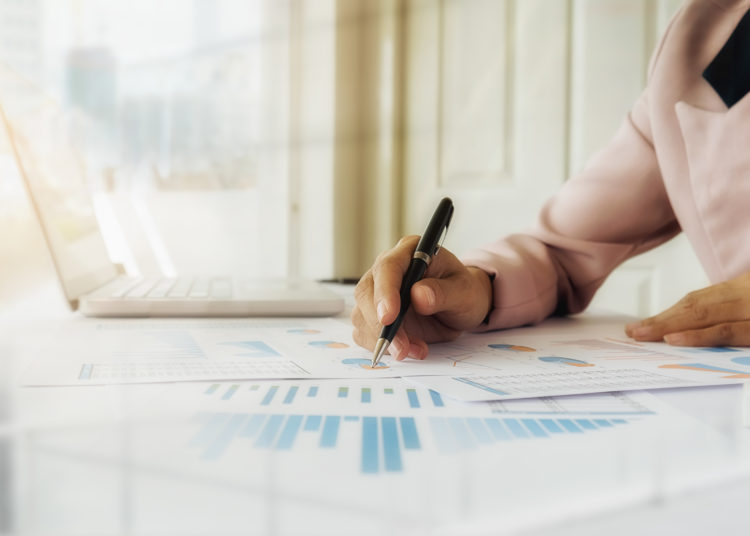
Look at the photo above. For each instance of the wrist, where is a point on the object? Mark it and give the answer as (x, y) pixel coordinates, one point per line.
(485, 293)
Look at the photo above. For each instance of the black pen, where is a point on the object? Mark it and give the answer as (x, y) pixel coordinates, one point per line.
(427, 248)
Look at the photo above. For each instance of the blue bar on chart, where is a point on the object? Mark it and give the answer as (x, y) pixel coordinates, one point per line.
(330, 432)
(388, 391)
(551, 426)
(443, 435)
(603, 423)
(212, 389)
(254, 387)
(86, 371)
(461, 432)
(370, 453)
(230, 392)
(570, 426)
(437, 400)
(586, 424)
(289, 433)
(532, 425)
(269, 432)
(351, 418)
(409, 433)
(289, 398)
(312, 423)
(515, 428)
(413, 398)
(253, 426)
(269, 395)
(343, 392)
(497, 429)
(312, 391)
(366, 395)
(479, 430)
(391, 447)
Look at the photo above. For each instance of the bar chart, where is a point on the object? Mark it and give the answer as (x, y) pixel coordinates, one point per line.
(386, 422)
(384, 440)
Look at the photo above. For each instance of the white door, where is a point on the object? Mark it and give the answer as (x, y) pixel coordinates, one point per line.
(506, 99)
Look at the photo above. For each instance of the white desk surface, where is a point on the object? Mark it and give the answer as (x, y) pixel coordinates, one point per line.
(50, 484)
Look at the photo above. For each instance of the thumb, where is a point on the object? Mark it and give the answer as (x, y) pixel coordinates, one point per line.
(449, 295)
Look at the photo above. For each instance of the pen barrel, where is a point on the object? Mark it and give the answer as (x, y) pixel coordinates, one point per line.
(414, 273)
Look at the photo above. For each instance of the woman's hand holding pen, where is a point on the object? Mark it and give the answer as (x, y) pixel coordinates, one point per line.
(451, 298)
(718, 315)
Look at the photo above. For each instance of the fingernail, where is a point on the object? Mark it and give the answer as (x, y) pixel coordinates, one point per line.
(429, 295)
(382, 310)
(641, 332)
(630, 328)
(675, 339)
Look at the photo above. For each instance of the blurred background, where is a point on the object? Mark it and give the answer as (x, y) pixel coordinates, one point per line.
(302, 137)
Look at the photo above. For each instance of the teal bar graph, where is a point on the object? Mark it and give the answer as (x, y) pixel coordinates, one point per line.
(391, 446)
(289, 433)
(330, 432)
(370, 451)
(437, 400)
(366, 395)
(312, 422)
(269, 432)
(386, 442)
(384, 439)
(269, 395)
(289, 398)
(343, 392)
(413, 398)
(230, 392)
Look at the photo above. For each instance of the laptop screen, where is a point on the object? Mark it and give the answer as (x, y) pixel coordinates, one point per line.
(55, 180)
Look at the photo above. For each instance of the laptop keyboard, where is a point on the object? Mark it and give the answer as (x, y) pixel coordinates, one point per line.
(198, 288)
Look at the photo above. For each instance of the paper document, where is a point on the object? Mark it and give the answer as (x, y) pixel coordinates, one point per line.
(425, 457)
(561, 356)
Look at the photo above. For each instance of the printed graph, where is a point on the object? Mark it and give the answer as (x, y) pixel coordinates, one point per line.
(702, 367)
(566, 361)
(364, 363)
(511, 347)
(352, 396)
(187, 370)
(328, 344)
(252, 349)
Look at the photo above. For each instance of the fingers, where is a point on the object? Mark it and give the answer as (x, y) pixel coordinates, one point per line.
(387, 273)
(725, 334)
(461, 299)
(712, 306)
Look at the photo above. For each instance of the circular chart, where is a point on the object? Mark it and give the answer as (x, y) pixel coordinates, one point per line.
(565, 361)
(512, 347)
(328, 344)
(363, 363)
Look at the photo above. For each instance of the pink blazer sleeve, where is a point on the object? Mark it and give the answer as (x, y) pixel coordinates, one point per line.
(615, 209)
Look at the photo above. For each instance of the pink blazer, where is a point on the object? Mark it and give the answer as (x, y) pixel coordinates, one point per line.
(679, 162)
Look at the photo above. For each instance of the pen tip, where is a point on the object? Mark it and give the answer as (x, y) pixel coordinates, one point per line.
(380, 347)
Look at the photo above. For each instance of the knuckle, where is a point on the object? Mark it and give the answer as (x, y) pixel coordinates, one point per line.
(694, 307)
(363, 288)
(407, 241)
(724, 333)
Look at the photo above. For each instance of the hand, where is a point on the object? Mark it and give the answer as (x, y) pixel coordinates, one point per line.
(449, 299)
(718, 315)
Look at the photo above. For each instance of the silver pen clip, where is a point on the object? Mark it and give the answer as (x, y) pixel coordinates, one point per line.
(442, 238)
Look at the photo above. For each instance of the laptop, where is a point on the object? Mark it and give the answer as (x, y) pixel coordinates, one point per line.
(95, 286)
